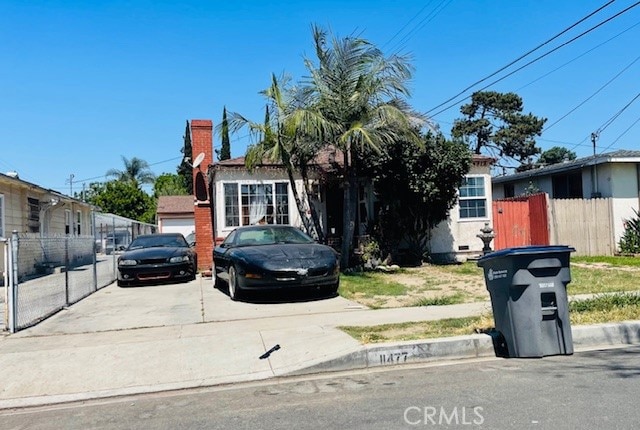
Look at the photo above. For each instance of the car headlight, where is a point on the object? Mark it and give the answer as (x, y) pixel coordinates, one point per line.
(127, 262)
(179, 259)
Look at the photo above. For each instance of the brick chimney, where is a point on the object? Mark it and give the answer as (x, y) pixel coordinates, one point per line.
(202, 143)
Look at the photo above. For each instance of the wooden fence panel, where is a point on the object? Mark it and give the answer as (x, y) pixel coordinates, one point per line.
(511, 223)
(585, 224)
(521, 221)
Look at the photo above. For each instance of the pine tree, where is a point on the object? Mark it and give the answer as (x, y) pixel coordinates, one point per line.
(184, 170)
(225, 149)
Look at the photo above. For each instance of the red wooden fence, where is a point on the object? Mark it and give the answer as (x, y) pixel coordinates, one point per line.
(521, 221)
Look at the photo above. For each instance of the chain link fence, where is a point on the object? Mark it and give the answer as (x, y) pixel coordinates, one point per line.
(46, 274)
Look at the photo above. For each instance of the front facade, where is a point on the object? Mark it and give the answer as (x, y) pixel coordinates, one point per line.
(39, 212)
(264, 195)
(614, 175)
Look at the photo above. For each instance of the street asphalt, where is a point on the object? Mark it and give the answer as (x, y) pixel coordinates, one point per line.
(124, 341)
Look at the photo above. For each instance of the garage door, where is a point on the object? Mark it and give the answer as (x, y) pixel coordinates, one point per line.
(178, 225)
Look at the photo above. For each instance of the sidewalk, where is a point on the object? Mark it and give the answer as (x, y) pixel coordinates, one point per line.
(73, 356)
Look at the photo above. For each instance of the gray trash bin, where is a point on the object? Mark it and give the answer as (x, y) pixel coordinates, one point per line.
(528, 289)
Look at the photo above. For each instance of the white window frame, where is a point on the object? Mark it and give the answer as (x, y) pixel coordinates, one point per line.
(473, 194)
(236, 208)
(78, 222)
(67, 222)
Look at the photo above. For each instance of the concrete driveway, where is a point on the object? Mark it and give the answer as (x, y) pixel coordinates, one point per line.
(116, 308)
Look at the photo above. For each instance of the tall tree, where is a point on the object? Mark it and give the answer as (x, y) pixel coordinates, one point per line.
(184, 168)
(169, 184)
(360, 96)
(123, 198)
(494, 124)
(556, 155)
(281, 138)
(417, 186)
(136, 171)
(225, 148)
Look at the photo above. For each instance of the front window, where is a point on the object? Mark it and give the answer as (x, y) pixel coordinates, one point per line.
(78, 222)
(567, 185)
(472, 200)
(231, 205)
(251, 204)
(67, 221)
(34, 215)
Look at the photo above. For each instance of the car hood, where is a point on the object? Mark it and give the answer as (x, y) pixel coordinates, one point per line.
(153, 253)
(287, 252)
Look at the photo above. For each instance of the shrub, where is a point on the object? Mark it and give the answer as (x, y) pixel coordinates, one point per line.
(630, 240)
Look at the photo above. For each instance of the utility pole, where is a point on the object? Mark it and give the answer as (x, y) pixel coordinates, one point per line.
(595, 193)
(70, 180)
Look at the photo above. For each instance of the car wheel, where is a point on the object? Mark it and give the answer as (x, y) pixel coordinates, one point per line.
(234, 290)
(333, 289)
(214, 275)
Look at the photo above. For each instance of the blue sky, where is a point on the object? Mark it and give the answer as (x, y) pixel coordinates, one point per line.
(83, 83)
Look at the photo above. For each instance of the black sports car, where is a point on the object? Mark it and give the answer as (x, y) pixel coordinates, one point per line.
(274, 256)
(156, 258)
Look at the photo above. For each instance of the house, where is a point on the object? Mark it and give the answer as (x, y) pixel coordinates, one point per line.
(30, 209)
(175, 214)
(241, 197)
(614, 175)
(456, 238)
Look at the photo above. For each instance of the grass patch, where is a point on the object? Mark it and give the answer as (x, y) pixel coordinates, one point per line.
(453, 299)
(600, 309)
(419, 329)
(605, 308)
(369, 284)
(620, 261)
(601, 280)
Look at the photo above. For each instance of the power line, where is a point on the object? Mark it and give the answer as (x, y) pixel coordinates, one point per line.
(430, 17)
(407, 24)
(579, 56)
(593, 95)
(520, 58)
(622, 134)
(610, 121)
(537, 58)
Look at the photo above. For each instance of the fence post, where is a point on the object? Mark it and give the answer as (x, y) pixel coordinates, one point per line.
(6, 276)
(66, 271)
(93, 245)
(13, 283)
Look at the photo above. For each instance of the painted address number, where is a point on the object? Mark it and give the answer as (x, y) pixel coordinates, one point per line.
(394, 358)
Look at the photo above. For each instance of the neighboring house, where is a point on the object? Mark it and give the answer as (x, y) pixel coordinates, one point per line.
(175, 214)
(242, 197)
(39, 212)
(614, 175)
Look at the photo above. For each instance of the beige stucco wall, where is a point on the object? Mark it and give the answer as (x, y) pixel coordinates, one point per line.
(457, 237)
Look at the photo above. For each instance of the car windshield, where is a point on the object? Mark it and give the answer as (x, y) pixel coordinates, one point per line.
(158, 241)
(270, 236)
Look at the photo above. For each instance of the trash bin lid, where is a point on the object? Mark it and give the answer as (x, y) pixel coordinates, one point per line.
(525, 250)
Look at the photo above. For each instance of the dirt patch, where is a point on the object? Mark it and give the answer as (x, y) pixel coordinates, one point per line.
(431, 284)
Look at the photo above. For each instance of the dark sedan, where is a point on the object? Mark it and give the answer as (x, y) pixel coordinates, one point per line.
(155, 258)
(271, 257)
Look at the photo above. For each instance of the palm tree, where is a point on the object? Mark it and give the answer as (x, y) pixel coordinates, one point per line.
(359, 96)
(135, 171)
(283, 138)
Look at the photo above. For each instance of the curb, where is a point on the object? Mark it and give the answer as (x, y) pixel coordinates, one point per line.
(367, 357)
(464, 347)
